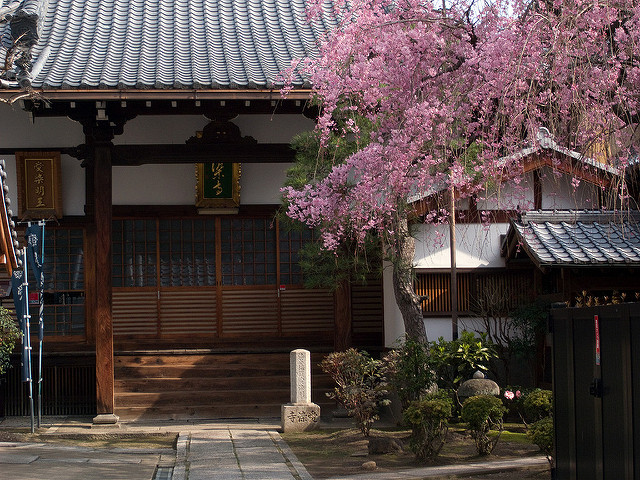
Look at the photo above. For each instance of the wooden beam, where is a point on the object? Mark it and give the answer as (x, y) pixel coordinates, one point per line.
(164, 94)
(130, 155)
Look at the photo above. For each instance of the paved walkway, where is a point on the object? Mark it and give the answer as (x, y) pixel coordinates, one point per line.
(205, 450)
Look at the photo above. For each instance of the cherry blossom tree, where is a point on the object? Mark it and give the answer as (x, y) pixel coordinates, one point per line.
(452, 89)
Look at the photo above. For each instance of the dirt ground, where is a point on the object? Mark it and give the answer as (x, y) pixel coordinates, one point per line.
(330, 453)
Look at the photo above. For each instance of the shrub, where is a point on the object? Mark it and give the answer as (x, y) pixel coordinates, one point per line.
(541, 433)
(538, 405)
(360, 387)
(408, 371)
(429, 423)
(459, 359)
(10, 334)
(483, 413)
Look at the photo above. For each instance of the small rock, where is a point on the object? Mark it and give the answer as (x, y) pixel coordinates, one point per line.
(371, 465)
(382, 445)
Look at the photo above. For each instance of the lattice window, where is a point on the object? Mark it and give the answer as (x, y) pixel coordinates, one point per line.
(134, 253)
(290, 244)
(248, 251)
(64, 283)
(187, 252)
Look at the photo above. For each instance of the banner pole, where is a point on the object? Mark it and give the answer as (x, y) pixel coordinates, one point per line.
(40, 327)
(27, 328)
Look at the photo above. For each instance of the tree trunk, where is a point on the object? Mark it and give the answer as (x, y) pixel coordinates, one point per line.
(406, 298)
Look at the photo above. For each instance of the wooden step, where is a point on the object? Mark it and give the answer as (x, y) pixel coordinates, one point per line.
(156, 384)
(209, 385)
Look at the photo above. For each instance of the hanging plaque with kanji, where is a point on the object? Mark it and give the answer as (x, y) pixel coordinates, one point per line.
(39, 191)
(218, 185)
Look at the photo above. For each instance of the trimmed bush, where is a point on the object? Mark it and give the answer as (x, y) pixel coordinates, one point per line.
(538, 405)
(541, 433)
(10, 334)
(409, 372)
(429, 419)
(483, 413)
(360, 388)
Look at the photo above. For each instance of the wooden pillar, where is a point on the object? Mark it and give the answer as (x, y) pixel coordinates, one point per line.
(537, 190)
(90, 257)
(103, 295)
(342, 330)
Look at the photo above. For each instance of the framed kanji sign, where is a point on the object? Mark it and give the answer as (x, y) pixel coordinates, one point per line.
(218, 185)
(39, 185)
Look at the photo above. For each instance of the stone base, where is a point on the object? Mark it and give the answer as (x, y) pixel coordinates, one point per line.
(300, 417)
(105, 419)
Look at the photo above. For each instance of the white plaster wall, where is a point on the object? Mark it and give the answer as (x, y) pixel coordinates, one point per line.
(510, 195)
(393, 323)
(18, 132)
(559, 193)
(175, 184)
(476, 246)
(172, 184)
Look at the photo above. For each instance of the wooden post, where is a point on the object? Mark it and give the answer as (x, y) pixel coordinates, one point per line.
(90, 257)
(103, 314)
(454, 276)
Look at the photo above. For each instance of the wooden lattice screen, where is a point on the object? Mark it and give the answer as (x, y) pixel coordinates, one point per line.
(514, 286)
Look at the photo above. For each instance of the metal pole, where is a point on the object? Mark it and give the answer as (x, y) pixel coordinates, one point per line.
(40, 328)
(27, 328)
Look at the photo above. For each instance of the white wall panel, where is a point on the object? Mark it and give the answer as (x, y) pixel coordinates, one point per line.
(476, 246)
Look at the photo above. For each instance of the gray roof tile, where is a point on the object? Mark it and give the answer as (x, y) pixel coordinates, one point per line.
(594, 238)
(171, 43)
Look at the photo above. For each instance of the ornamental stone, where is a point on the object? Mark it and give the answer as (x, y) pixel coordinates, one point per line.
(478, 386)
(300, 414)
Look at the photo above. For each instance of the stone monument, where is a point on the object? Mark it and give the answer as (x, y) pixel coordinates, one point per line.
(301, 414)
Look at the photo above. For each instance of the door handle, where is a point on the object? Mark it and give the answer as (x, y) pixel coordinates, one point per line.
(595, 388)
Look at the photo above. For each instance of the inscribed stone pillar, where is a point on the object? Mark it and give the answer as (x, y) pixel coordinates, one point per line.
(300, 371)
(301, 414)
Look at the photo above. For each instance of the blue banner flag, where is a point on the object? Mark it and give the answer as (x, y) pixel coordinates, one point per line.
(35, 236)
(35, 251)
(20, 302)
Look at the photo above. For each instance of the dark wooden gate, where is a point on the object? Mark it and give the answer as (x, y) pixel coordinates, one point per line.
(596, 382)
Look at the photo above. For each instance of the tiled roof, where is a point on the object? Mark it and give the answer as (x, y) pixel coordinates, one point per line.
(8, 236)
(169, 43)
(579, 238)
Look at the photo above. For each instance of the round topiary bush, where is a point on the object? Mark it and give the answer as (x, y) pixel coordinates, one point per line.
(483, 413)
(538, 405)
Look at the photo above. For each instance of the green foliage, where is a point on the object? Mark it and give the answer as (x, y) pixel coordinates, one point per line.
(541, 433)
(360, 386)
(429, 423)
(457, 360)
(323, 269)
(9, 335)
(529, 322)
(483, 413)
(513, 400)
(409, 371)
(538, 405)
(314, 161)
